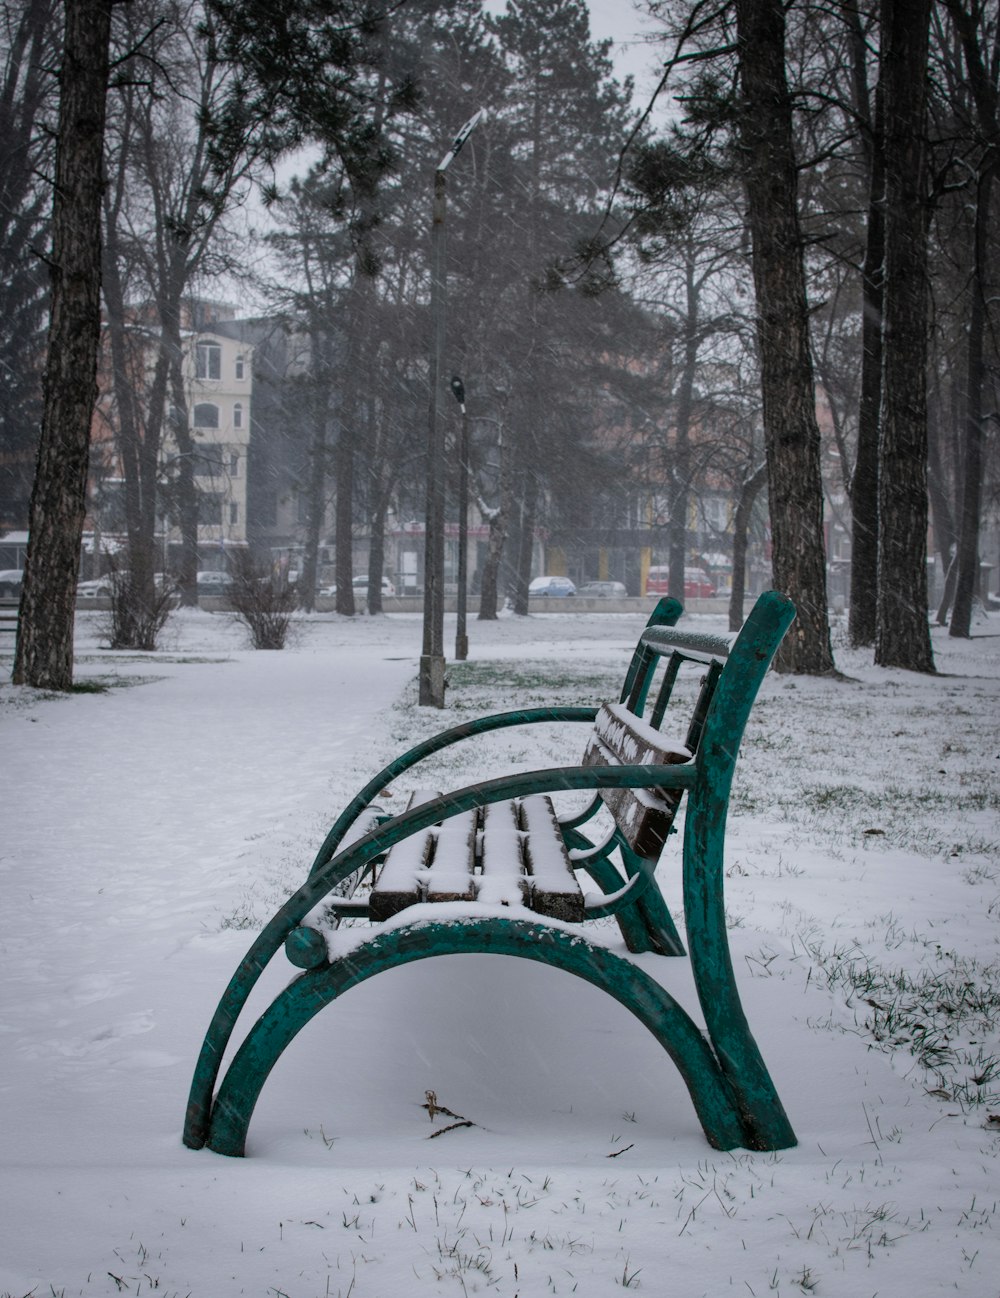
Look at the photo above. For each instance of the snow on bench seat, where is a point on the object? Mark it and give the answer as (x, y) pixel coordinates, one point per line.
(554, 889)
(449, 874)
(518, 859)
(398, 882)
(620, 738)
(502, 882)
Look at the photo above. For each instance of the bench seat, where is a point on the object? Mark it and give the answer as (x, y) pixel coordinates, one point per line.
(510, 853)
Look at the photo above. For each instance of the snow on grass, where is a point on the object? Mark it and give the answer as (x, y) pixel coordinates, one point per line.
(148, 831)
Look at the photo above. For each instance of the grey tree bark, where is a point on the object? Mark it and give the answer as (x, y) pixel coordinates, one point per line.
(791, 431)
(44, 652)
(864, 478)
(902, 633)
(981, 67)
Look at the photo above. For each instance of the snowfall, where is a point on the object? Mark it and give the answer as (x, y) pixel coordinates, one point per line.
(151, 827)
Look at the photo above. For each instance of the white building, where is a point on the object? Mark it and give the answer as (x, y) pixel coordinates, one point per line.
(218, 378)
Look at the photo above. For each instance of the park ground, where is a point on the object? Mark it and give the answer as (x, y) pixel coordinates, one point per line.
(150, 828)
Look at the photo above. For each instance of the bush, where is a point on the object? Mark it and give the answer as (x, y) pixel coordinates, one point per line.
(263, 603)
(134, 621)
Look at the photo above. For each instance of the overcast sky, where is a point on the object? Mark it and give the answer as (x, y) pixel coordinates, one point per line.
(625, 25)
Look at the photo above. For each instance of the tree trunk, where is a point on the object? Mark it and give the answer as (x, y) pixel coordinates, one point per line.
(149, 466)
(967, 583)
(377, 515)
(124, 369)
(44, 652)
(316, 499)
(343, 469)
(376, 556)
(945, 536)
(677, 554)
(902, 637)
(525, 545)
(741, 526)
(791, 431)
(864, 479)
(187, 490)
(489, 592)
(981, 68)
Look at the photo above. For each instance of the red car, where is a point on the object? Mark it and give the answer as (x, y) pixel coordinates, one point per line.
(696, 582)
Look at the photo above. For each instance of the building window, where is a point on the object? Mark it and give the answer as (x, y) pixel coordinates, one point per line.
(234, 466)
(240, 367)
(209, 509)
(206, 415)
(208, 361)
(238, 415)
(234, 513)
(209, 462)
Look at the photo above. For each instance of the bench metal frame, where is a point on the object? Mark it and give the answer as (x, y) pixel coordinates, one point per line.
(729, 1084)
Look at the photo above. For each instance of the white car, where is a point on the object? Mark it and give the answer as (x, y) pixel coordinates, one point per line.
(551, 587)
(214, 583)
(361, 583)
(98, 588)
(360, 586)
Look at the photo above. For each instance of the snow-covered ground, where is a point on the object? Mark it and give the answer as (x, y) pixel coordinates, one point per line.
(146, 829)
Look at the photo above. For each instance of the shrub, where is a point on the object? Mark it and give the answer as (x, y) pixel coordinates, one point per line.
(135, 620)
(262, 602)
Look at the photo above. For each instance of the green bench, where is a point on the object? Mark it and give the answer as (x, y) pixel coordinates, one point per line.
(492, 868)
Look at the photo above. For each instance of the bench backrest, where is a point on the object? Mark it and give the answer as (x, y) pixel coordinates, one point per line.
(629, 733)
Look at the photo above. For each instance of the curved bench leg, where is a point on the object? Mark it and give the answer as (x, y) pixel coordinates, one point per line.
(645, 926)
(654, 915)
(718, 1110)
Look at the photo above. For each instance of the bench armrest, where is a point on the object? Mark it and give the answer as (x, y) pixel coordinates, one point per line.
(600, 904)
(434, 744)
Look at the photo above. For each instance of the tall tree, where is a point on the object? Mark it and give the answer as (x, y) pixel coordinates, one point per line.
(27, 40)
(981, 54)
(902, 636)
(44, 652)
(552, 144)
(172, 185)
(791, 431)
(864, 477)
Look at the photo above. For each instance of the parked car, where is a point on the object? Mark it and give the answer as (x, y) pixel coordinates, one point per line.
(361, 583)
(697, 584)
(360, 586)
(10, 582)
(602, 590)
(551, 586)
(102, 587)
(97, 588)
(214, 583)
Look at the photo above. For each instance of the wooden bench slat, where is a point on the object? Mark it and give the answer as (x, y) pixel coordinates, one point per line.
(502, 882)
(554, 887)
(644, 816)
(398, 882)
(449, 874)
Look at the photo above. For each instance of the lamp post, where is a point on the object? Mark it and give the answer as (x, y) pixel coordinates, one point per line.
(431, 691)
(461, 639)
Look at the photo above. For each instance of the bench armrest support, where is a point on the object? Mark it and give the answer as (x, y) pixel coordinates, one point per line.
(426, 748)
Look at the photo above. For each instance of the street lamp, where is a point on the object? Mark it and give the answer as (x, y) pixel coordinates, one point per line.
(431, 692)
(461, 639)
